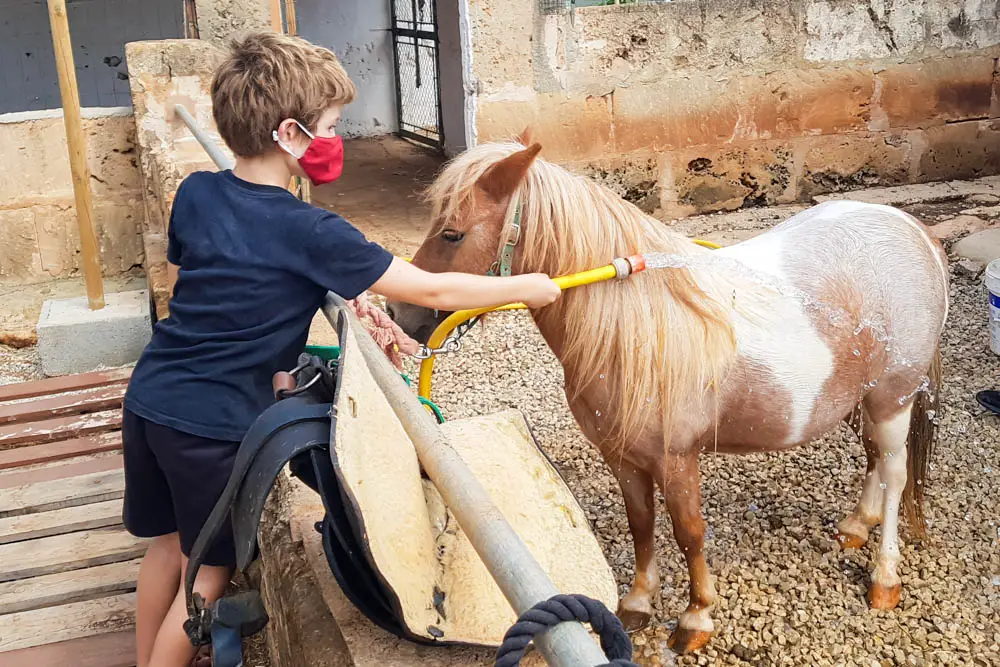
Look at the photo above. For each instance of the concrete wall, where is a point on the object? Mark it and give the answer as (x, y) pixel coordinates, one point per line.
(358, 32)
(162, 74)
(99, 30)
(704, 105)
(38, 231)
(220, 20)
(457, 88)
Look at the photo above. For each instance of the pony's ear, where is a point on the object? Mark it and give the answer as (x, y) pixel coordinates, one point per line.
(501, 180)
(526, 138)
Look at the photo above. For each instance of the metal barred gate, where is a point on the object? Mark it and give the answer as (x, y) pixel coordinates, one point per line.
(417, 64)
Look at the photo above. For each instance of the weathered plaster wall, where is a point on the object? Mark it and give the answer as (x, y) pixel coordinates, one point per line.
(162, 74)
(39, 240)
(701, 105)
(220, 20)
(358, 32)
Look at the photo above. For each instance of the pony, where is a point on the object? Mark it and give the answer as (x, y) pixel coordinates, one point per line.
(833, 315)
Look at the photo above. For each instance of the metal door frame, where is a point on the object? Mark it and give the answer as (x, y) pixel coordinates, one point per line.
(410, 29)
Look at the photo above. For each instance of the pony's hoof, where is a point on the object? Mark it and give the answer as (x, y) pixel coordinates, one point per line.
(633, 621)
(849, 541)
(884, 597)
(688, 641)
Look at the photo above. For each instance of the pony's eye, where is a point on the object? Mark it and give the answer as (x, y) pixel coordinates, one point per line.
(452, 236)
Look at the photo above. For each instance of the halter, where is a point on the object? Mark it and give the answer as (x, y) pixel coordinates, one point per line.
(505, 258)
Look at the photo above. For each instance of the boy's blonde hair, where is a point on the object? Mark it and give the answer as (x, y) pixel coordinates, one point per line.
(269, 77)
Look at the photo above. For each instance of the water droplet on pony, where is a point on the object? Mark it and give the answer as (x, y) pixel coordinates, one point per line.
(597, 412)
(995, 580)
(602, 376)
(883, 485)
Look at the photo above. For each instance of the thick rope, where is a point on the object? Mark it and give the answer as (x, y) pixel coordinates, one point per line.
(390, 338)
(564, 609)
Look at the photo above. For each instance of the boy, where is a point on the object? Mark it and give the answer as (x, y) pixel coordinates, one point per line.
(252, 265)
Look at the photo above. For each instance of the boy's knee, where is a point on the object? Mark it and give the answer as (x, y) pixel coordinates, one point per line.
(169, 544)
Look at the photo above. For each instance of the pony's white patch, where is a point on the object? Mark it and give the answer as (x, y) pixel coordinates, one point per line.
(798, 358)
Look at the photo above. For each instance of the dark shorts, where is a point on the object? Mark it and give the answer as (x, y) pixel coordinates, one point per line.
(172, 481)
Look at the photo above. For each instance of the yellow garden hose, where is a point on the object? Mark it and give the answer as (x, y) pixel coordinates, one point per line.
(620, 268)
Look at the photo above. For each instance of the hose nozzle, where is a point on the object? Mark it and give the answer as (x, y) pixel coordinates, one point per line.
(626, 266)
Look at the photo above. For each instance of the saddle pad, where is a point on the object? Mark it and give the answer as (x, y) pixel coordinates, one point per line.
(439, 587)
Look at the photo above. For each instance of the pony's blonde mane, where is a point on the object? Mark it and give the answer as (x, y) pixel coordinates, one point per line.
(659, 339)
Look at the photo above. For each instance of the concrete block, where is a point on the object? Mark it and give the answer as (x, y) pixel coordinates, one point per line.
(74, 339)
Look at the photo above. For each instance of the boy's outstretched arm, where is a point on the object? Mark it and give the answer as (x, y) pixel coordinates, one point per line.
(459, 291)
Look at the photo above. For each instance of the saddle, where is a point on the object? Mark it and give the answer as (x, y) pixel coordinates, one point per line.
(391, 544)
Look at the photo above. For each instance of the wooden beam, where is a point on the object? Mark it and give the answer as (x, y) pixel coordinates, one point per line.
(48, 473)
(57, 494)
(276, 22)
(70, 621)
(57, 451)
(58, 428)
(89, 400)
(76, 141)
(116, 649)
(67, 587)
(60, 522)
(291, 24)
(14, 392)
(63, 553)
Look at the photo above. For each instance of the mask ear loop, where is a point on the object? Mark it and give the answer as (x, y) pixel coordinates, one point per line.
(287, 149)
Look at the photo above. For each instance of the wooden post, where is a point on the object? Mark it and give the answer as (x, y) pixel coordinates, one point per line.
(292, 25)
(77, 144)
(276, 24)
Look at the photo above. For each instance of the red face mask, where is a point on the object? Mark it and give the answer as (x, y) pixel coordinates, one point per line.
(323, 161)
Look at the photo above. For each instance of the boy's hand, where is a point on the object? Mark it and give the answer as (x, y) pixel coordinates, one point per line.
(538, 290)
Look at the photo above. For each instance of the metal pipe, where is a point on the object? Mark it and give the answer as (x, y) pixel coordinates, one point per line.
(521, 579)
(220, 159)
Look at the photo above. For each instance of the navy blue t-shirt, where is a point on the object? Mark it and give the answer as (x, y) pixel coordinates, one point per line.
(255, 266)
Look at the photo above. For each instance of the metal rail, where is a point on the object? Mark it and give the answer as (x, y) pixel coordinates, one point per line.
(220, 159)
(521, 579)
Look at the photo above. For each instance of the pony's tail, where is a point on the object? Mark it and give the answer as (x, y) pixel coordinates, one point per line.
(920, 446)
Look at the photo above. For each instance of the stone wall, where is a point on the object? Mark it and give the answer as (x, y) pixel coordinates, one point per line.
(703, 105)
(162, 74)
(39, 238)
(220, 20)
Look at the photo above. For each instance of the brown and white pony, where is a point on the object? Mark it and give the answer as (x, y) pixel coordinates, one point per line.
(833, 315)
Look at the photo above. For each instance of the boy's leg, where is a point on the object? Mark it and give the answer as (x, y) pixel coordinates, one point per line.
(149, 512)
(197, 470)
(159, 578)
(172, 647)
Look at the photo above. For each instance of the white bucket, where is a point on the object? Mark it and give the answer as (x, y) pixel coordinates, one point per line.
(993, 290)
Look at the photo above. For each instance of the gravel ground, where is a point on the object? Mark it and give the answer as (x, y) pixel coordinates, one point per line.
(788, 595)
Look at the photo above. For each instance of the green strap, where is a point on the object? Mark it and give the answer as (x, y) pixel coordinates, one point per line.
(502, 267)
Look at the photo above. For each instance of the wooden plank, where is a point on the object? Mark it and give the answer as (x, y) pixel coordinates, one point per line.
(66, 587)
(58, 428)
(57, 451)
(70, 621)
(62, 553)
(11, 392)
(115, 649)
(60, 522)
(60, 471)
(42, 407)
(59, 493)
